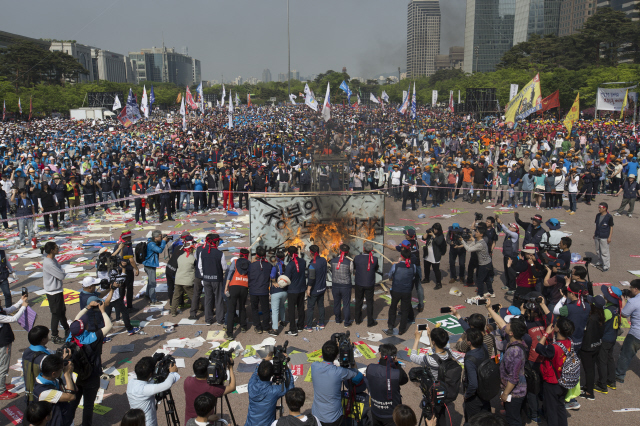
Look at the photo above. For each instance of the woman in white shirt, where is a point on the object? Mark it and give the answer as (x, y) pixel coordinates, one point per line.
(573, 178)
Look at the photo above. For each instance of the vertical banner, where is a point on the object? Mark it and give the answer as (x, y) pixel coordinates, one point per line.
(434, 98)
(573, 114)
(513, 91)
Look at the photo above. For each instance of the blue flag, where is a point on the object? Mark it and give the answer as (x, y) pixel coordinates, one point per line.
(345, 87)
(133, 112)
(152, 98)
(413, 102)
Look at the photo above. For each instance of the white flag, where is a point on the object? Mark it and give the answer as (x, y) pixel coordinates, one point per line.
(293, 97)
(384, 96)
(182, 110)
(326, 105)
(309, 99)
(224, 95)
(434, 98)
(513, 91)
(145, 102)
(230, 103)
(184, 115)
(116, 104)
(373, 99)
(230, 111)
(458, 96)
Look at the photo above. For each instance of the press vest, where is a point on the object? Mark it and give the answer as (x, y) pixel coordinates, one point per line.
(384, 392)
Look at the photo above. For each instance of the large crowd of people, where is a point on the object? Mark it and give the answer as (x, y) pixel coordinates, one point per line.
(68, 170)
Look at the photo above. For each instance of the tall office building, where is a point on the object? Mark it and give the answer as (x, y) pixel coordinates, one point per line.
(197, 76)
(164, 65)
(423, 37)
(108, 66)
(488, 33)
(573, 15)
(81, 53)
(540, 17)
(266, 75)
(626, 6)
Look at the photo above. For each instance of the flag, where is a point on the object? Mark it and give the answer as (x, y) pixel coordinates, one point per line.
(551, 101)
(190, 102)
(224, 95)
(133, 112)
(624, 104)
(182, 109)
(326, 105)
(19, 106)
(385, 97)
(116, 104)
(405, 101)
(230, 112)
(200, 96)
(451, 108)
(179, 98)
(434, 98)
(152, 99)
(292, 98)
(573, 114)
(4, 109)
(144, 106)
(358, 101)
(525, 103)
(309, 99)
(237, 99)
(373, 98)
(249, 100)
(345, 87)
(123, 119)
(413, 102)
(31, 106)
(458, 96)
(513, 91)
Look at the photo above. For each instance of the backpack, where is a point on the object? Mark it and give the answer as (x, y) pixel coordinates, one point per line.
(534, 382)
(140, 252)
(449, 375)
(570, 373)
(82, 366)
(31, 370)
(488, 377)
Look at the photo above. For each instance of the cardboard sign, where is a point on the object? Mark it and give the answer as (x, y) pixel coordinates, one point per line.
(448, 322)
(307, 378)
(13, 414)
(123, 377)
(297, 370)
(70, 297)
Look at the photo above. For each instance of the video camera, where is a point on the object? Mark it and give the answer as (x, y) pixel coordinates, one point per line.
(168, 237)
(433, 392)
(345, 349)
(280, 361)
(627, 293)
(529, 302)
(161, 369)
(478, 217)
(113, 277)
(217, 368)
(460, 234)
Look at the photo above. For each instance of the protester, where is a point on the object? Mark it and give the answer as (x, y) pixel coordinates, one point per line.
(6, 339)
(316, 288)
(602, 236)
(155, 245)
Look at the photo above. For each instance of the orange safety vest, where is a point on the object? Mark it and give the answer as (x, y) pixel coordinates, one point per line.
(239, 279)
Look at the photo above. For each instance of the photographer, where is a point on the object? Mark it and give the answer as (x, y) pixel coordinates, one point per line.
(384, 380)
(478, 322)
(90, 342)
(141, 391)
(32, 357)
(579, 275)
(433, 250)
(533, 232)
(90, 297)
(458, 251)
(630, 309)
(130, 266)
(155, 245)
(509, 251)
(554, 282)
(197, 385)
(530, 270)
(263, 394)
(55, 384)
(327, 380)
(6, 339)
(484, 276)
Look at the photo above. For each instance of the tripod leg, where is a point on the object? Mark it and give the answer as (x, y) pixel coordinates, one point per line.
(233, 419)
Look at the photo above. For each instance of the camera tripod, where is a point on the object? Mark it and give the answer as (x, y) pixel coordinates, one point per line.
(169, 407)
(233, 419)
(351, 404)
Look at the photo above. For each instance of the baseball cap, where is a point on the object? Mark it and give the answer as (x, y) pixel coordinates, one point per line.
(89, 281)
(410, 232)
(537, 217)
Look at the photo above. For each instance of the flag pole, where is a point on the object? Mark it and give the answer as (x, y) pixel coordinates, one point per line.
(288, 52)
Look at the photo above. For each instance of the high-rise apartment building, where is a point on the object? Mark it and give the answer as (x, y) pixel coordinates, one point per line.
(573, 14)
(540, 17)
(266, 75)
(488, 33)
(423, 37)
(626, 6)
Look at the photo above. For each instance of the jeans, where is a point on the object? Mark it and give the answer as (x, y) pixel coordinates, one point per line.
(277, 308)
(418, 286)
(199, 201)
(5, 360)
(573, 201)
(512, 411)
(124, 193)
(606, 365)
(630, 347)
(283, 186)
(4, 286)
(311, 304)
(260, 307)
(28, 224)
(184, 196)
(213, 291)
(151, 283)
(461, 255)
(526, 198)
(342, 303)
(108, 195)
(484, 279)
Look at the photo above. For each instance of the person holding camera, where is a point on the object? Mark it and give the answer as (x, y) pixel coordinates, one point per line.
(142, 391)
(295, 399)
(264, 394)
(92, 298)
(384, 380)
(530, 272)
(55, 385)
(211, 266)
(630, 308)
(197, 385)
(433, 250)
(484, 276)
(316, 287)
(155, 245)
(456, 251)
(327, 381)
(554, 282)
(130, 266)
(164, 189)
(6, 339)
(509, 251)
(52, 277)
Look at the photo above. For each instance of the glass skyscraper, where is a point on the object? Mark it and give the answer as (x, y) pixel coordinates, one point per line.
(540, 17)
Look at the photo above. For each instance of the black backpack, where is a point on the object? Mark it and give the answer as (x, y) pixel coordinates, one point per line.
(449, 375)
(82, 366)
(534, 381)
(488, 377)
(140, 252)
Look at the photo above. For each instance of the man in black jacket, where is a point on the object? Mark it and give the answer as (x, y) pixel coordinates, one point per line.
(366, 266)
(259, 280)
(243, 186)
(59, 187)
(385, 379)
(48, 202)
(533, 232)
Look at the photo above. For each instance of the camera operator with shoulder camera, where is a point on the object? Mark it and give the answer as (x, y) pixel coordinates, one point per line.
(89, 294)
(484, 276)
(327, 381)
(199, 384)
(264, 391)
(88, 347)
(384, 380)
(142, 391)
(631, 344)
(530, 270)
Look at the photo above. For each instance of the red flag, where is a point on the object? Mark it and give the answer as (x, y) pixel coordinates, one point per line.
(122, 117)
(249, 100)
(30, 108)
(190, 100)
(551, 101)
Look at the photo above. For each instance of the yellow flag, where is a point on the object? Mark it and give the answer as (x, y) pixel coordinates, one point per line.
(573, 114)
(624, 103)
(525, 103)
(179, 98)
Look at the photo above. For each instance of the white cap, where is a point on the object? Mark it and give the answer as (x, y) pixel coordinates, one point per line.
(89, 281)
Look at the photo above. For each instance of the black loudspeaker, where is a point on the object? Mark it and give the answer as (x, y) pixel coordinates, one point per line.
(481, 102)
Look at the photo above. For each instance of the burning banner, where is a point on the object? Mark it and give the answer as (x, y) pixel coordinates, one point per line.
(324, 220)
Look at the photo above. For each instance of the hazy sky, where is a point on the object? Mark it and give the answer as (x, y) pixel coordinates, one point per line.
(240, 37)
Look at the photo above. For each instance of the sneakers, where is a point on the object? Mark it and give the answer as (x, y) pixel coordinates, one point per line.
(617, 214)
(320, 326)
(574, 405)
(510, 293)
(600, 390)
(146, 222)
(258, 330)
(572, 213)
(119, 322)
(504, 287)
(612, 386)
(106, 340)
(388, 331)
(308, 329)
(138, 223)
(629, 215)
(585, 395)
(291, 333)
(133, 331)
(452, 280)
(228, 337)
(57, 340)
(487, 295)
(9, 386)
(8, 395)
(273, 332)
